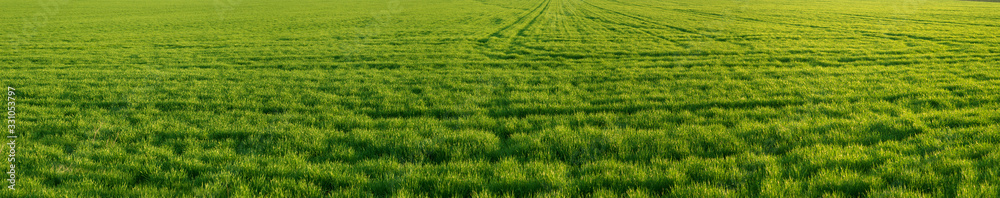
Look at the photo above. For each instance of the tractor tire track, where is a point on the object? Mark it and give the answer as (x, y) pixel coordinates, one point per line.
(643, 19)
(917, 20)
(860, 32)
(747, 19)
(593, 17)
(533, 20)
(505, 37)
(677, 28)
(502, 6)
(866, 33)
(542, 5)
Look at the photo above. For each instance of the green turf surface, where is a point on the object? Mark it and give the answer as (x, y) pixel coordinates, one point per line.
(503, 98)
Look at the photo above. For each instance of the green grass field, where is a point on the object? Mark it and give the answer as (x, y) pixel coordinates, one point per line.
(503, 98)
